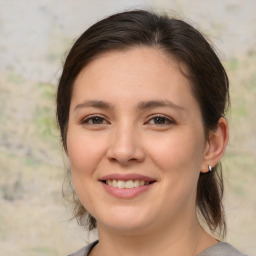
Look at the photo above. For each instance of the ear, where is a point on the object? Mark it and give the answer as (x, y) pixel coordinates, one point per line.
(216, 145)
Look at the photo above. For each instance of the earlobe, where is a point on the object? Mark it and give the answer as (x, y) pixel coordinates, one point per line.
(216, 145)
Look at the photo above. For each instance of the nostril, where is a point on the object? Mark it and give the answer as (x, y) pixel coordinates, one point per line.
(112, 159)
(123, 161)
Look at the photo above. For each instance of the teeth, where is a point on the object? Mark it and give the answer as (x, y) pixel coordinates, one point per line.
(114, 183)
(109, 182)
(136, 183)
(127, 184)
(142, 182)
(121, 184)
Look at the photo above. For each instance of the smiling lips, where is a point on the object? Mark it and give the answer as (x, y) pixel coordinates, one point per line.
(128, 185)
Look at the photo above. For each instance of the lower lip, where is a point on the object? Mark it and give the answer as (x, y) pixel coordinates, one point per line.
(127, 193)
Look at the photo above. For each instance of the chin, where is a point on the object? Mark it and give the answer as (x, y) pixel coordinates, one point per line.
(125, 228)
(125, 221)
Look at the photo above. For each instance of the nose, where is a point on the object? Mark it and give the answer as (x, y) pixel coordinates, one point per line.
(125, 146)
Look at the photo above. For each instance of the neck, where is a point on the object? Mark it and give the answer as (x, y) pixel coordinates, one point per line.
(179, 238)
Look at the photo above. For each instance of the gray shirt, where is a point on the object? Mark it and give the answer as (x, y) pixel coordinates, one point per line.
(219, 249)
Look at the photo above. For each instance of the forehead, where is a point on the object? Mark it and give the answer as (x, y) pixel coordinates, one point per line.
(138, 73)
(142, 56)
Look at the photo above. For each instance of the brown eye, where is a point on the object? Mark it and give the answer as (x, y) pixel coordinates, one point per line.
(160, 120)
(94, 120)
(97, 120)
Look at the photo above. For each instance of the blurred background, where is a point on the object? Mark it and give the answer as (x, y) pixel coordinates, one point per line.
(34, 39)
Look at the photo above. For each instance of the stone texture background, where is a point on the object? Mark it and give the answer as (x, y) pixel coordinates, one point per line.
(34, 37)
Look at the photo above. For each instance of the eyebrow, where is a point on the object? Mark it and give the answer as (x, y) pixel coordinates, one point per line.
(95, 104)
(140, 106)
(158, 103)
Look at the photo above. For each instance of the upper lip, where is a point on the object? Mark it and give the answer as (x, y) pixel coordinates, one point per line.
(127, 176)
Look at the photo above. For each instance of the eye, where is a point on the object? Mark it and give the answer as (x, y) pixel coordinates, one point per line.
(160, 120)
(94, 120)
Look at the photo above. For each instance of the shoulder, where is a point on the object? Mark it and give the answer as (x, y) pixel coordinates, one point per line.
(221, 249)
(85, 250)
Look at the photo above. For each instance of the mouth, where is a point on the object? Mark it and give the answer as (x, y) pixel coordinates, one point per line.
(127, 184)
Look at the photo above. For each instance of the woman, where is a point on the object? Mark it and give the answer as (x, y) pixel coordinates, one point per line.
(140, 106)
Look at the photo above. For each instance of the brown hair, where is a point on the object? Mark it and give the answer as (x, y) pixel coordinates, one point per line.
(209, 83)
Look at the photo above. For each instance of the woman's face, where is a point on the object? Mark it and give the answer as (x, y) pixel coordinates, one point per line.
(135, 141)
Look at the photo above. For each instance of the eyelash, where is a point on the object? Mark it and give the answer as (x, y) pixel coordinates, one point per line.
(164, 118)
(87, 119)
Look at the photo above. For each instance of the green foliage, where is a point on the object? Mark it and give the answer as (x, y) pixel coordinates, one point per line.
(240, 111)
(44, 122)
(44, 115)
(47, 91)
(233, 64)
(30, 162)
(15, 78)
(252, 83)
(42, 250)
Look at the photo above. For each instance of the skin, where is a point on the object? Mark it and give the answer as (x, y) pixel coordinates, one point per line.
(125, 137)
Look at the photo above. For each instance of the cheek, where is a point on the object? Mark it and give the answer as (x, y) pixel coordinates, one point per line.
(179, 161)
(178, 150)
(84, 152)
(179, 157)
